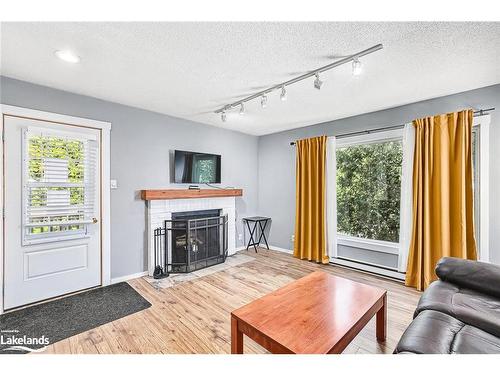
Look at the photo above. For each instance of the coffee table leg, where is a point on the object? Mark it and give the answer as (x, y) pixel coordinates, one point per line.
(382, 321)
(236, 337)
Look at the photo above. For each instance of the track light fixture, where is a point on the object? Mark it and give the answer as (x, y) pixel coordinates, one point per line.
(357, 67)
(263, 101)
(356, 70)
(317, 82)
(283, 93)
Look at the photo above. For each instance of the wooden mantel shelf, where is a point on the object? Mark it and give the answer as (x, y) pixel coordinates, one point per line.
(149, 195)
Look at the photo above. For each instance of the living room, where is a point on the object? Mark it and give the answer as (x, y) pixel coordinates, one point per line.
(250, 187)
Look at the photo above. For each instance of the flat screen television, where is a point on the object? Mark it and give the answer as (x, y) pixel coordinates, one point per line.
(196, 167)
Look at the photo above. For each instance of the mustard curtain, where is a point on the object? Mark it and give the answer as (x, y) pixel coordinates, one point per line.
(443, 223)
(310, 220)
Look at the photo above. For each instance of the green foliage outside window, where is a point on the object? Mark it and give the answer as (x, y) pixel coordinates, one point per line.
(369, 190)
(58, 148)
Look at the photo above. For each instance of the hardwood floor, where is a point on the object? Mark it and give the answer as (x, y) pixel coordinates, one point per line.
(194, 317)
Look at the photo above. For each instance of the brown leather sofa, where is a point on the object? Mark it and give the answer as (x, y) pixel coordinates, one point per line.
(459, 313)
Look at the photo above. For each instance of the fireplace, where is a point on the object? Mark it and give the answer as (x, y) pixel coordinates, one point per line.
(190, 241)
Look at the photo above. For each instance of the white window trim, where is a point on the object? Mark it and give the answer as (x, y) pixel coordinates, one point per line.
(369, 244)
(365, 243)
(375, 137)
(331, 197)
(484, 186)
(105, 128)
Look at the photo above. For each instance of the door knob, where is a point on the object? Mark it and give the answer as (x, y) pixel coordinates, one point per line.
(94, 220)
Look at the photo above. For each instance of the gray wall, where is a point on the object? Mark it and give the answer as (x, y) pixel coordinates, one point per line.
(141, 141)
(277, 157)
(140, 144)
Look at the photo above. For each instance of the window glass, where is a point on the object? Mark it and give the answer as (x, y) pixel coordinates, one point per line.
(369, 190)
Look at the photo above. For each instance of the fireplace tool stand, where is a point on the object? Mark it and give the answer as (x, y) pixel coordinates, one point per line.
(161, 254)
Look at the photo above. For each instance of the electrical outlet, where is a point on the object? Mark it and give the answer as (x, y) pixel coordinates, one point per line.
(240, 237)
(293, 238)
(113, 184)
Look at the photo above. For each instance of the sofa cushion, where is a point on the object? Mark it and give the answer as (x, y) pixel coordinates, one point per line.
(470, 274)
(473, 308)
(433, 332)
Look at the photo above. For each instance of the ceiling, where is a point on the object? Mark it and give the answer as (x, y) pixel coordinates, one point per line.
(188, 70)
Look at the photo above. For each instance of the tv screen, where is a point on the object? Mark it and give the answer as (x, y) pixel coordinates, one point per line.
(196, 167)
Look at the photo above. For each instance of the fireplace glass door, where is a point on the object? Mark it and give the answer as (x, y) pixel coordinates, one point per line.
(198, 239)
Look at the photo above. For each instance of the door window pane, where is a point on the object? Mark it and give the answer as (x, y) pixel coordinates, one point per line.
(59, 185)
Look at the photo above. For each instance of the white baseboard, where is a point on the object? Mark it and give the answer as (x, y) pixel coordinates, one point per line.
(283, 250)
(128, 277)
(272, 247)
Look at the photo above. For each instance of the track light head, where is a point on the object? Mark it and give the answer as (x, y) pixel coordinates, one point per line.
(357, 67)
(223, 116)
(283, 94)
(317, 82)
(242, 109)
(263, 101)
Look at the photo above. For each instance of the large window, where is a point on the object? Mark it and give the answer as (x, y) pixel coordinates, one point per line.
(368, 195)
(369, 189)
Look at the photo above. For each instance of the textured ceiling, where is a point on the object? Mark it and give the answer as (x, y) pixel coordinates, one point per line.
(189, 69)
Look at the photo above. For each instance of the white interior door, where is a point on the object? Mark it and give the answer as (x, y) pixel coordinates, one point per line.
(52, 208)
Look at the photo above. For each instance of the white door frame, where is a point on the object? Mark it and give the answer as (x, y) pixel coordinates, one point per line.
(105, 128)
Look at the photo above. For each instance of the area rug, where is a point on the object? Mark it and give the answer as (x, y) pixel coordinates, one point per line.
(179, 278)
(32, 328)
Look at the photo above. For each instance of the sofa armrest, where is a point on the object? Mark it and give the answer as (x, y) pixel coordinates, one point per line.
(470, 274)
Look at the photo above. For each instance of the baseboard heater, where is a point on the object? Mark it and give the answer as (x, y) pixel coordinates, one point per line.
(368, 267)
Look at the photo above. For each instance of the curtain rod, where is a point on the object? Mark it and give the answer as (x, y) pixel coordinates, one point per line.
(479, 112)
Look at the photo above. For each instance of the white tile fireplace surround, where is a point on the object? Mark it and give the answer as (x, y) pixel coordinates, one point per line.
(161, 210)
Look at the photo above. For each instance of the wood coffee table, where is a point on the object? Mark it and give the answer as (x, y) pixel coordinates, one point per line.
(319, 313)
